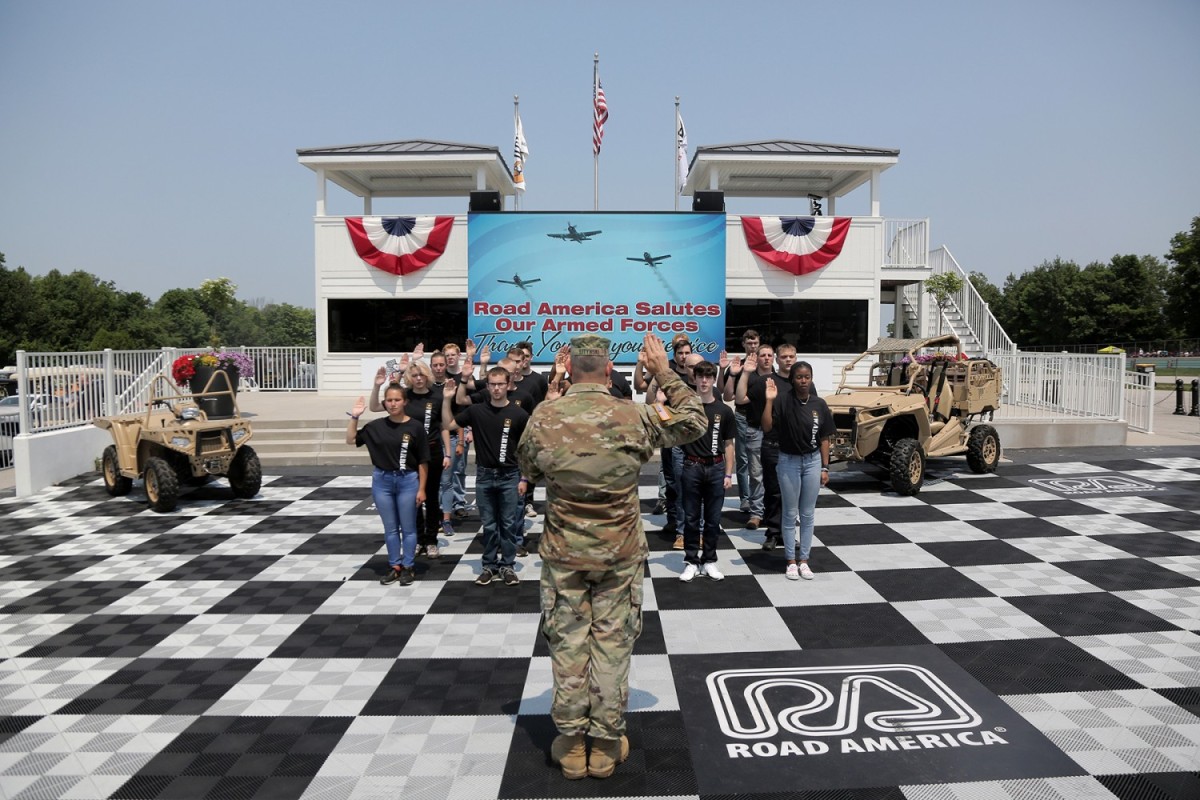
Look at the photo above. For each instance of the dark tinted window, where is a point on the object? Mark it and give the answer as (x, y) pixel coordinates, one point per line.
(395, 325)
(814, 326)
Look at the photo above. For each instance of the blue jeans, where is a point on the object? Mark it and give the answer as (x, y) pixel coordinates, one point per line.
(452, 494)
(395, 495)
(501, 514)
(799, 484)
(742, 459)
(672, 468)
(703, 498)
(752, 441)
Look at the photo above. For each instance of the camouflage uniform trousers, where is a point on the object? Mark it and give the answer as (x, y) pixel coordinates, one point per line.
(591, 621)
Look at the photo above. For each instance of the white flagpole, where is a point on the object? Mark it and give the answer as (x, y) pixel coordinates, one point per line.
(675, 155)
(595, 155)
(516, 118)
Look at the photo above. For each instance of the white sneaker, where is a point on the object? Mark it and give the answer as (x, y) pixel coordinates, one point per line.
(793, 572)
(710, 571)
(433, 552)
(529, 512)
(805, 572)
(689, 572)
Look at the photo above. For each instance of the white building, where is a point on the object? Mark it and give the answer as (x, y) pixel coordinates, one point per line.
(833, 313)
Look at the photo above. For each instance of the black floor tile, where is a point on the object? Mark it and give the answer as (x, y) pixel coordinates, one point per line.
(1185, 697)
(45, 569)
(1089, 614)
(853, 625)
(933, 583)
(100, 635)
(1020, 528)
(162, 686)
(177, 544)
(349, 636)
(1126, 574)
(1153, 545)
(447, 687)
(1168, 520)
(466, 598)
(337, 543)
(221, 568)
(973, 554)
(736, 591)
(276, 597)
(14, 543)
(848, 535)
(1036, 666)
(72, 597)
(1153, 785)
(1052, 508)
(908, 514)
(292, 523)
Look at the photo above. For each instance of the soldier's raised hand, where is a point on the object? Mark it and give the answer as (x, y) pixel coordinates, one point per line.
(485, 355)
(470, 349)
(723, 359)
(418, 351)
(735, 366)
(655, 353)
(361, 405)
(380, 376)
(772, 389)
(751, 361)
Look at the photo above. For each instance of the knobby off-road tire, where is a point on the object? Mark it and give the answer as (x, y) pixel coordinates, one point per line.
(907, 467)
(162, 485)
(115, 483)
(983, 449)
(245, 473)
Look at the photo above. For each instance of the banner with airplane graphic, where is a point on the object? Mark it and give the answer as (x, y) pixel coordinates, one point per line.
(547, 278)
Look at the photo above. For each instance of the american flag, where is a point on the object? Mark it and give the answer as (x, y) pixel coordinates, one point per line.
(599, 118)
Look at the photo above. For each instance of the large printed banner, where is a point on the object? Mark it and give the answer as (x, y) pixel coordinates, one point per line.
(550, 277)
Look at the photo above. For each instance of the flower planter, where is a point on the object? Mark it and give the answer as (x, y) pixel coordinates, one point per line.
(215, 406)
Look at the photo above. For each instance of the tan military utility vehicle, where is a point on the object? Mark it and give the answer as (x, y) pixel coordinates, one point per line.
(174, 442)
(920, 402)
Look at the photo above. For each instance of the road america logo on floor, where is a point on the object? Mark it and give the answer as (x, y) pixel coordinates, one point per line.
(830, 719)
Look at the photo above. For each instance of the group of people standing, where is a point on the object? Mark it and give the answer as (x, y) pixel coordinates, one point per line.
(578, 433)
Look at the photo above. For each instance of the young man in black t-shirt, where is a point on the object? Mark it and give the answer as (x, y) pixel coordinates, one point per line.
(497, 426)
(707, 472)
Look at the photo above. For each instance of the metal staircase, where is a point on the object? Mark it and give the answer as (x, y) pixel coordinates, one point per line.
(966, 315)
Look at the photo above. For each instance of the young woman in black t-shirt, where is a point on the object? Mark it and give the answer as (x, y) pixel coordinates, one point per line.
(400, 454)
(805, 426)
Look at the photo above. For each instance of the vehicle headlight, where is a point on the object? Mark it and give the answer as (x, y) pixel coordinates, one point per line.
(189, 413)
(180, 441)
(239, 434)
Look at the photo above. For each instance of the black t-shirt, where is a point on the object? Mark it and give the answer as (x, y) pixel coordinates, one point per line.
(497, 430)
(801, 424)
(427, 409)
(535, 384)
(517, 396)
(756, 393)
(721, 427)
(394, 445)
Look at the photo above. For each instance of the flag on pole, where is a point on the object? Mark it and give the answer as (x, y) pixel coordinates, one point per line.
(520, 153)
(681, 160)
(600, 116)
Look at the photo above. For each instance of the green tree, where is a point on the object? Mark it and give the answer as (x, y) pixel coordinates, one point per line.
(182, 315)
(941, 286)
(218, 298)
(287, 325)
(1183, 283)
(17, 301)
(1045, 305)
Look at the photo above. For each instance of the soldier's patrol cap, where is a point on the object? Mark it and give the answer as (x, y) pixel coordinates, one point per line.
(590, 344)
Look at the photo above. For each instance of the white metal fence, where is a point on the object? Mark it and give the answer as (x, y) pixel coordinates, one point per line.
(1050, 385)
(974, 318)
(907, 243)
(1139, 401)
(66, 390)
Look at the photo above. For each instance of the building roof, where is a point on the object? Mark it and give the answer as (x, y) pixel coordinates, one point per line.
(786, 168)
(411, 168)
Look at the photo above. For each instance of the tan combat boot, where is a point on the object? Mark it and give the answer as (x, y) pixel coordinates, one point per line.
(605, 755)
(570, 752)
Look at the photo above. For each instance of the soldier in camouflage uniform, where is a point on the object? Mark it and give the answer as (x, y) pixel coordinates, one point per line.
(587, 449)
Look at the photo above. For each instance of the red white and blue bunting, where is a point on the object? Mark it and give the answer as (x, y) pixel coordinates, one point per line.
(399, 245)
(798, 245)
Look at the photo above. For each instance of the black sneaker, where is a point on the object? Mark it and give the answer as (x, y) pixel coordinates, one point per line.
(509, 577)
(392, 576)
(770, 543)
(659, 508)
(460, 514)
(407, 576)
(522, 550)
(485, 577)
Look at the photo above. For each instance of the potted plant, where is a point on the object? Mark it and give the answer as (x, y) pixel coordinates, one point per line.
(195, 370)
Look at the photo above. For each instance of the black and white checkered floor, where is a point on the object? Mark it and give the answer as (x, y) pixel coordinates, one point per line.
(1029, 634)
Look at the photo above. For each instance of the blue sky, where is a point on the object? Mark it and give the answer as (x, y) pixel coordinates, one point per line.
(153, 143)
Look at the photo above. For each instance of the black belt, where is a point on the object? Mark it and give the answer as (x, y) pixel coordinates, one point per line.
(704, 459)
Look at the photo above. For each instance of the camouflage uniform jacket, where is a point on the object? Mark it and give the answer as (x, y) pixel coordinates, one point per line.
(587, 448)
